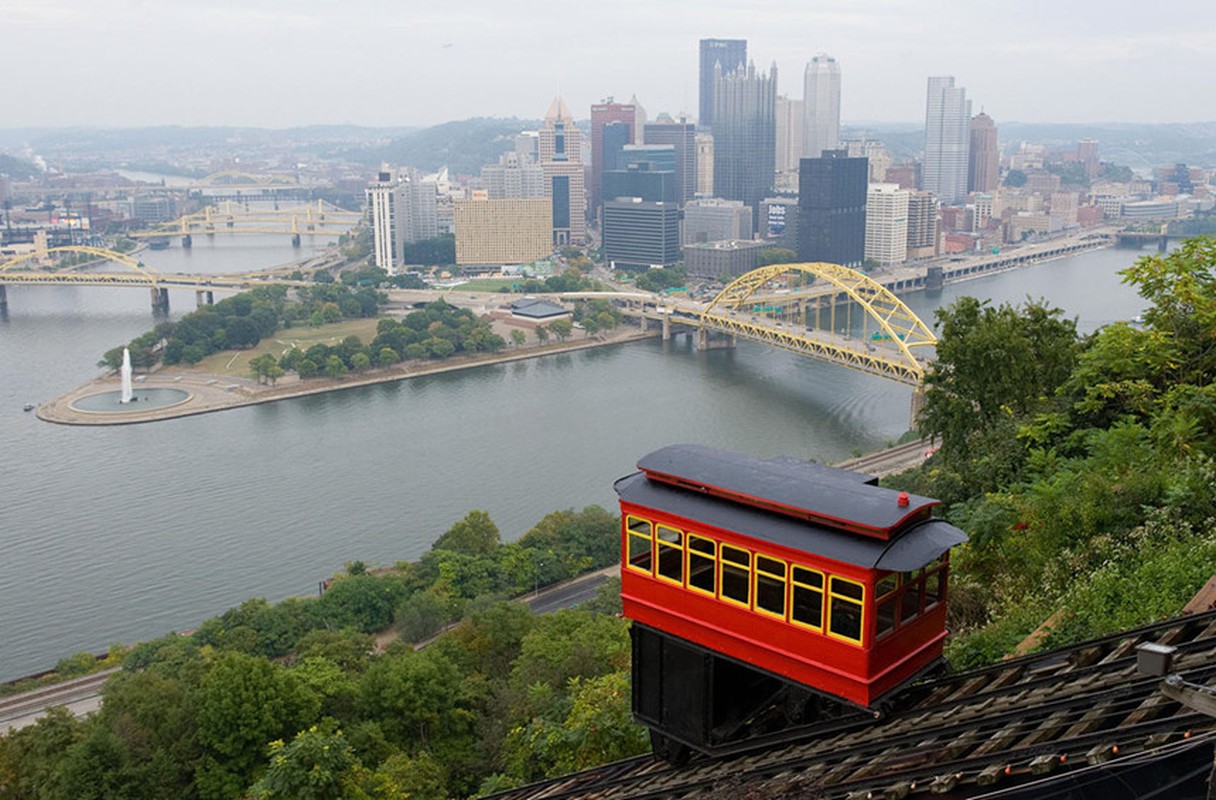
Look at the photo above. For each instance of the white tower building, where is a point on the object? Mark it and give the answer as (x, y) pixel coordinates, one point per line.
(947, 140)
(821, 99)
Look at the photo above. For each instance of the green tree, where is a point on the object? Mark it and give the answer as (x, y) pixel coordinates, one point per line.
(995, 367)
(316, 765)
(518, 337)
(262, 365)
(243, 703)
(775, 255)
(334, 368)
(542, 335)
(387, 356)
(475, 534)
(561, 328)
(362, 602)
(1015, 179)
(417, 698)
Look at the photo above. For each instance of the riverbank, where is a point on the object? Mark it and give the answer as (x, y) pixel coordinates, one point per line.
(211, 393)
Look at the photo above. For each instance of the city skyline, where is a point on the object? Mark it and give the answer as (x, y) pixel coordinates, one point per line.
(267, 63)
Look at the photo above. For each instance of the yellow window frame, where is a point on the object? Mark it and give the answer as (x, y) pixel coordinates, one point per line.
(711, 557)
(820, 590)
(658, 552)
(722, 564)
(783, 579)
(833, 597)
(631, 535)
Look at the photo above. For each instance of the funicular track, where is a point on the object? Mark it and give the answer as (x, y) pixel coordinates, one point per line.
(1065, 710)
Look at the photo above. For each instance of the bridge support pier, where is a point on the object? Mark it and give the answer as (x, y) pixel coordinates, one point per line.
(204, 297)
(917, 406)
(295, 240)
(187, 241)
(666, 327)
(160, 300)
(711, 340)
(934, 279)
(3, 297)
(1162, 244)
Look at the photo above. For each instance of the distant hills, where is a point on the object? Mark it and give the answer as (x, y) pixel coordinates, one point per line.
(464, 146)
(1135, 145)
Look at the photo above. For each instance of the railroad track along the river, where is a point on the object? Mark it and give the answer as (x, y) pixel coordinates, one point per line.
(27, 703)
(1070, 712)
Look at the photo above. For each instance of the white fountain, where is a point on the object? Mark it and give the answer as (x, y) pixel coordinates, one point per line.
(126, 377)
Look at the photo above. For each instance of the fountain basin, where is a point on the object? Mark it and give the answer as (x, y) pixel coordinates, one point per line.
(143, 399)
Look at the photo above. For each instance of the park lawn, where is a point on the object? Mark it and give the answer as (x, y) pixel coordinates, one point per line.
(487, 284)
(235, 363)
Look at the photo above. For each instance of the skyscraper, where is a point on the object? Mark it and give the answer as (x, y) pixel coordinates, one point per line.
(947, 137)
(821, 99)
(731, 54)
(984, 157)
(559, 149)
(887, 224)
(603, 114)
(682, 137)
(745, 135)
(404, 209)
(639, 234)
(789, 141)
(832, 208)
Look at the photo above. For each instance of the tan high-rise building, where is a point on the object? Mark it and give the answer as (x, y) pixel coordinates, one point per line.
(984, 156)
(514, 231)
(705, 164)
(922, 225)
(560, 151)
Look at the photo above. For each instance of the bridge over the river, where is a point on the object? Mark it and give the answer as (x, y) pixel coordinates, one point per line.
(319, 219)
(808, 309)
(137, 274)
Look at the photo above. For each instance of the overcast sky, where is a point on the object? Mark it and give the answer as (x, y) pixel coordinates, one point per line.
(272, 63)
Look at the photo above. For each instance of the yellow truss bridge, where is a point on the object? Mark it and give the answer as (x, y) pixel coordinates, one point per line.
(139, 274)
(782, 306)
(318, 218)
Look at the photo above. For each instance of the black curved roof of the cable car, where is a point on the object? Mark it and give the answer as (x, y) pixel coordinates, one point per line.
(843, 491)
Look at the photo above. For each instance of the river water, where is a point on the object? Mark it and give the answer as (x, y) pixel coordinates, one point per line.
(123, 534)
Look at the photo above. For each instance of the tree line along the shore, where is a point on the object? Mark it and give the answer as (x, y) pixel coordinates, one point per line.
(439, 330)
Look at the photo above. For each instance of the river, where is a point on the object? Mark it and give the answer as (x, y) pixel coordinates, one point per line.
(122, 534)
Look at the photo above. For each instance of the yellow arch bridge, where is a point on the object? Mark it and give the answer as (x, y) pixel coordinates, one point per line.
(796, 307)
(137, 274)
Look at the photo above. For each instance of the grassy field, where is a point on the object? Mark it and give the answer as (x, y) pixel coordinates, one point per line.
(236, 362)
(487, 284)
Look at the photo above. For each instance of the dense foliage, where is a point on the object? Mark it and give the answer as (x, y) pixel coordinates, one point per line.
(292, 700)
(437, 331)
(658, 280)
(243, 320)
(440, 251)
(1082, 467)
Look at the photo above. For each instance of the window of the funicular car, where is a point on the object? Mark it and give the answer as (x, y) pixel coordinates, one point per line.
(640, 543)
(914, 593)
(771, 578)
(806, 606)
(671, 553)
(702, 566)
(736, 575)
(846, 605)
